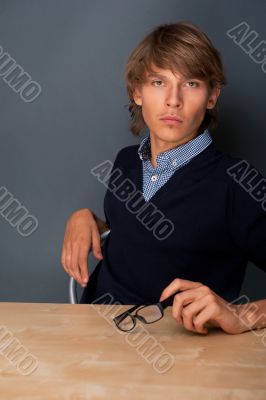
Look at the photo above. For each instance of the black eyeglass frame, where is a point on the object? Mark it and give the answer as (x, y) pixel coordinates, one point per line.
(162, 305)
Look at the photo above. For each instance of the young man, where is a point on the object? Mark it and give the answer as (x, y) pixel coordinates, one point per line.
(178, 215)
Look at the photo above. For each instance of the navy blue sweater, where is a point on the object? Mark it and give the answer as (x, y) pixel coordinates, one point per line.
(202, 225)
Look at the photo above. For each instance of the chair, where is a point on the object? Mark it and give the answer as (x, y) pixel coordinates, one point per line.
(73, 296)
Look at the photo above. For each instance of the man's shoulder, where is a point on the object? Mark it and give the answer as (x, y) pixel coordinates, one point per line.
(238, 172)
(232, 162)
(128, 154)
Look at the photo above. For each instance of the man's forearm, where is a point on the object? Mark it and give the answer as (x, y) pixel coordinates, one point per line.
(102, 226)
(253, 314)
(260, 315)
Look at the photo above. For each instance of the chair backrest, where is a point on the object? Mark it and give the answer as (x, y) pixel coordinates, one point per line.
(73, 295)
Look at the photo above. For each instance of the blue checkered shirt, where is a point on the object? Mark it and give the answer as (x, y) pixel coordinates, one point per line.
(168, 161)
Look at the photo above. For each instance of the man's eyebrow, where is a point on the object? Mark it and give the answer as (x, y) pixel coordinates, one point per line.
(158, 75)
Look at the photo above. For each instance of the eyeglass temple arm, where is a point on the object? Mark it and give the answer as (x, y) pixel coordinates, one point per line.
(168, 301)
(165, 303)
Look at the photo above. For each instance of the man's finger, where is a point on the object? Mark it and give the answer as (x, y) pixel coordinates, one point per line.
(83, 264)
(68, 257)
(178, 284)
(190, 312)
(203, 317)
(96, 245)
(74, 262)
(181, 300)
(63, 259)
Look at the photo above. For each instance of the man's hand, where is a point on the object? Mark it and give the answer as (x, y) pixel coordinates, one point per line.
(197, 305)
(81, 235)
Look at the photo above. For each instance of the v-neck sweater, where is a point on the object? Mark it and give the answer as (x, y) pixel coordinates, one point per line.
(202, 225)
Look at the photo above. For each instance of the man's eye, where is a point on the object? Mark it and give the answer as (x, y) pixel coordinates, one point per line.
(195, 84)
(155, 83)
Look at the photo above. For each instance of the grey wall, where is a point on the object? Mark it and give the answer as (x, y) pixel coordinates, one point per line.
(76, 51)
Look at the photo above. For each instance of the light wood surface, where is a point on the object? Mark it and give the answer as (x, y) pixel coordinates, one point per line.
(79, 354)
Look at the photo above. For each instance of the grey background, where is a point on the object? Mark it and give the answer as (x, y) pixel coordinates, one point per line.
(76, 50)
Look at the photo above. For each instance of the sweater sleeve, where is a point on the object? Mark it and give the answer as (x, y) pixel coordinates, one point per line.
(247, 218)
(112, 176)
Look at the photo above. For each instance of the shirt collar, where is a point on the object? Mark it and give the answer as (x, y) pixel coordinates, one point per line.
(178, 154)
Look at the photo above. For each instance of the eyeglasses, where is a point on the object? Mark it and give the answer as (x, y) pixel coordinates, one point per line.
(146, 313)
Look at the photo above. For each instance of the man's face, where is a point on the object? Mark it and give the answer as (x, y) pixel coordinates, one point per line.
(164, 94)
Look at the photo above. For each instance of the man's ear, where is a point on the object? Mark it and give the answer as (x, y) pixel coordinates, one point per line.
(213, 97)
(137, 96)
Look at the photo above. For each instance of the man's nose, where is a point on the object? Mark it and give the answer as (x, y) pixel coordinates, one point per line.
(174, 97)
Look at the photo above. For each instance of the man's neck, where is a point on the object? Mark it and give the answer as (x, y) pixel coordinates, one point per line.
(159, 146)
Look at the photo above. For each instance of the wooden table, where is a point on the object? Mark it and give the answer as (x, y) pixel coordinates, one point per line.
(75, 352)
